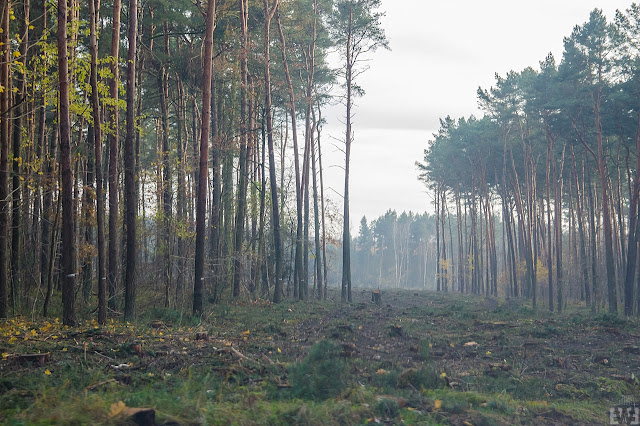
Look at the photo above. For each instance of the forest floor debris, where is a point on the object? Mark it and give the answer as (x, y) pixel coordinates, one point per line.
(408, 360)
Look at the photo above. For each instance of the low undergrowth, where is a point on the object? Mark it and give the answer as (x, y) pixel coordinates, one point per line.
(418, 358)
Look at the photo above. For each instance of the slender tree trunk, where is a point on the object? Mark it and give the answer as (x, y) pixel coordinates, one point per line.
(215, 222)
(324, 235)
(130, 202)
(5, 60)
(68, 234)
(557, 178)
(550, 142)
(581, 233)
(346, 235)
(594, 255)
(269, 12)
(18, 127)
(242, 163)
(204, 158)
(316, 215)
(299, 278)
(166, 245)
(114, 142)
(97, 143)
(634, 236)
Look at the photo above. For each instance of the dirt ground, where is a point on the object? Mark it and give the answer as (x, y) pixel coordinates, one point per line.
(494, 361)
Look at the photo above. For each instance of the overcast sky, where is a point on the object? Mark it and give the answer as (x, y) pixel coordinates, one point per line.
(442, 50)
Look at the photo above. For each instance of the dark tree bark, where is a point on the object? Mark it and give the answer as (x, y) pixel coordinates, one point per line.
(201, 205)
(167, 183)
(269, 12)
(97, 143)
(130, 202)
(5, 60)
(114, 142)
(242, 163)
(18, 127)
(581, 231)
(68, 230)
(634, 236)
(215, 221)
(298, 277)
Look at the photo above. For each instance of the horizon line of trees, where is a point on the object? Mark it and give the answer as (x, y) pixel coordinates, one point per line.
(544, 188)
(174, 175)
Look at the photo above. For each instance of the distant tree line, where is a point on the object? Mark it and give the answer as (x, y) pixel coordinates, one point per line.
(396, 251)
(544, 188)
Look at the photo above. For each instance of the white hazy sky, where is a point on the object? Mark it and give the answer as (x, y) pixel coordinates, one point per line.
(442, 50)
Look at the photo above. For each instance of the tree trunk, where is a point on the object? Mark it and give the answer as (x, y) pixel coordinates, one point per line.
(634, 235)
(130, 202)
(68, 234)
(4, 157)
(324, 235)
(97, 143)
(299, 278)
(346, 236)
(242, 163)
(18, 128)
(201, 205)
(316, 216)
(269, 12)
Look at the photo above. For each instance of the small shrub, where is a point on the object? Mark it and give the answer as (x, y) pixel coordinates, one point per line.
(425, 350)
(610, 320)
(321, 374)
(424, 378)
(454, 405)
(547, 332)
(389, 408)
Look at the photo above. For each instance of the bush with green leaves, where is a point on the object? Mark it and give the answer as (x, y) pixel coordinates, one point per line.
(321, 374)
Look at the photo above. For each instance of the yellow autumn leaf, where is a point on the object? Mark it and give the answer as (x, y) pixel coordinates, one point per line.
(117, 408)
(443, 375)
(64, 349)
(453, 345)
(488, 353)
(437, 404)
(5, 355)
(279, 351)
(47, 372)
(13, 339)
(245, 333)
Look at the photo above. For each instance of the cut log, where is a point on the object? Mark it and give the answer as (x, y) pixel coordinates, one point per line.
(38, 359)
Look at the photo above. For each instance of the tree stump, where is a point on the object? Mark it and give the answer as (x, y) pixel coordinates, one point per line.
(37, 359)
(376, 297)
(140, 416)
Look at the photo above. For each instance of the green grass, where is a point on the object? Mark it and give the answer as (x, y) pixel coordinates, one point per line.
(325, 363)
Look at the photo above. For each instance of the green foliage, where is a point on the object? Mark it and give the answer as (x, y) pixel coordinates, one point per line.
(610, 320)
(321, 374)
(387, 407)
(424, 350)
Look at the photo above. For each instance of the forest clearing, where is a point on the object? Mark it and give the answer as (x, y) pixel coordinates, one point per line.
(181, 184)
(417, 358)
